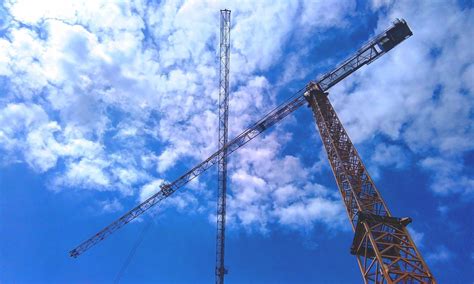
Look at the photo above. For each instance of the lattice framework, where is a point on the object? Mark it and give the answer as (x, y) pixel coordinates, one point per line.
(385, 251)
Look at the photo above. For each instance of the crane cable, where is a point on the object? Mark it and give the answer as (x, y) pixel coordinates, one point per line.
(133, 250)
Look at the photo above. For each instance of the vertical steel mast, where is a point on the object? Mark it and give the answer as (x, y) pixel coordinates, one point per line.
(223, 138)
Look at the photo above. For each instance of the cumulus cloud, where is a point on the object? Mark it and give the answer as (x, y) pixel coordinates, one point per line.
(268, 189)
(111, 206)
(18, 119)
(418, 237)
(123, 95)
(439, 255)
(419, 94)
(389, 155)
(120, 93)
(150, 188)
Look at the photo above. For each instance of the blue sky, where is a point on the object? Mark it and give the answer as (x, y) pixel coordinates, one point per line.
(102, 101)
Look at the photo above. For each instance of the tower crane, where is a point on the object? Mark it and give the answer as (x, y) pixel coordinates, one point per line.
(385, 251)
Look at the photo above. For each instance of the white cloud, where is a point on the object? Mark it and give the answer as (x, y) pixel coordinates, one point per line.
(41, 142)
(146, 74)
(309, 210)
(87, 174)
(149, 189)
(16, 119)
(87, 58)
(449, 177)
(377, 4)
(64, 66)
(439, 255)
(417, 94)
(417, 237)
(325, 14)
(268, 190)
(389, 155)
(111, 206)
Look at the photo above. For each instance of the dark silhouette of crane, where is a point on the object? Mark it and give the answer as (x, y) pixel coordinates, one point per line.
(382, 244)
(224, 59)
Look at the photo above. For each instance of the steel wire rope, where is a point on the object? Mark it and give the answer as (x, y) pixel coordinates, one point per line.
(133, 250)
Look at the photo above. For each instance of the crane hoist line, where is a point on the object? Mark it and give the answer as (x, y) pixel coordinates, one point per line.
(385, 251)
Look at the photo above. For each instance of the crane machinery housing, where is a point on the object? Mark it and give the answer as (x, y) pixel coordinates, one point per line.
(385, 251)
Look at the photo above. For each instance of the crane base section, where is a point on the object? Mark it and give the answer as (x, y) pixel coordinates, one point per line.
(386, 239)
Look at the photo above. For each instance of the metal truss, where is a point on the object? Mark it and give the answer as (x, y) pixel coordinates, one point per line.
(368, 53)
(385, 251)
(223, 138)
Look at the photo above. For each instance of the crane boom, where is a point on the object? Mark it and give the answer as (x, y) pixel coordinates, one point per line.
(369, 52)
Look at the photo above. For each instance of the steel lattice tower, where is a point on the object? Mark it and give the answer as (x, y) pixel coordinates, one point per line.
(385, 251)
(223, 139)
